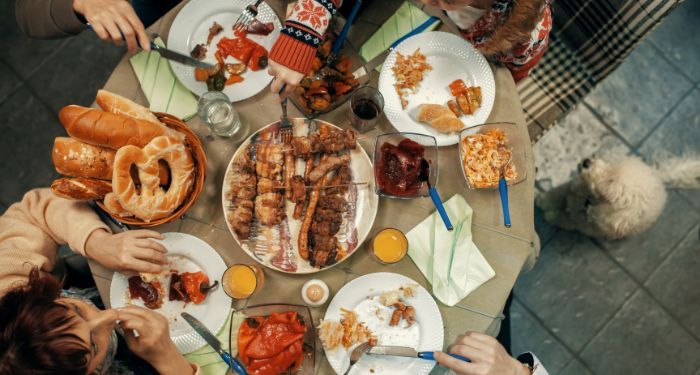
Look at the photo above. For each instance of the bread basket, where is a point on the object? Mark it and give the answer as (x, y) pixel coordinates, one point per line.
(200, 170)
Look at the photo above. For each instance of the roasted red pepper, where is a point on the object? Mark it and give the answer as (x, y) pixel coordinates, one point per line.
(279, 363)
(316, 91)
(457, 87)
(272, 345)
(233, 79)
(341, 88)
(238, 48)
(343, 64)
(258, 59)
(192, 282)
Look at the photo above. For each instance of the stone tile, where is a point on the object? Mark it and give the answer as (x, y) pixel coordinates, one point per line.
(636, 96)
(24, 54)
(543, 229)
(575, 367)
(8, 81)
(528, 335)
(379, 11)
(683, 52)
(641, 254)
(579, 135)
(674, 283)
(645, 340)
(679, 133)
(76, 72)
(25, 147)
(574, 288)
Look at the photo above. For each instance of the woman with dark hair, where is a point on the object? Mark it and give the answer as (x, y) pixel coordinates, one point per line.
(44, 330)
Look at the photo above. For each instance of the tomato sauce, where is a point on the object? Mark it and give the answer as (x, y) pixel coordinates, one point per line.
(398, 168)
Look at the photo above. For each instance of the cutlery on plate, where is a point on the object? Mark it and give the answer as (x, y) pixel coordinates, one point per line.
(425, 177)
(213, 342)
(379, 59)
(248, 14)
(356, 354)
(404, 351)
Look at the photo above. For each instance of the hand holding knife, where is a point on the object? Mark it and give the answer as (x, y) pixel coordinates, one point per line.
(214, 343)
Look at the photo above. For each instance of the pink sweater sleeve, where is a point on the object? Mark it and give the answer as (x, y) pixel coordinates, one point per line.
(31, 230)
(302, 33)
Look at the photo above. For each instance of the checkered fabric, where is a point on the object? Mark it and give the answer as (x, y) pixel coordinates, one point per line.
(591, 38)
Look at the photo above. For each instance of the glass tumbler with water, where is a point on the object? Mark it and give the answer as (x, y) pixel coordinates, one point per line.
(216, 110)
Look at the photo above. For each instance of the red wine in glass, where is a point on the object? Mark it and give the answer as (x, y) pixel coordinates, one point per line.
(366, 109)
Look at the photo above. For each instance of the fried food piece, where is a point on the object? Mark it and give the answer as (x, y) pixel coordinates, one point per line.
(297, 189)
(395, 318)
(326, 165)
(409, 315)
(454, 108)
(214, 30)
(439, 117)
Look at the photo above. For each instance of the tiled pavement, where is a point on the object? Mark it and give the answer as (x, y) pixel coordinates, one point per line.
(629, 306)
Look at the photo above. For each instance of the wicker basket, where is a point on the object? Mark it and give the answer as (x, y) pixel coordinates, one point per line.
(200, 173)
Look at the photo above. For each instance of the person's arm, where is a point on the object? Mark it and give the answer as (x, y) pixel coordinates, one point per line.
(302, 34)
(533, 363)
(48, 19)
(31, 230)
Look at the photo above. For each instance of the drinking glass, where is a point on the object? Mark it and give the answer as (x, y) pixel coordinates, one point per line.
(366, 107)
(216, 110)
(240, 281)
(389, 246)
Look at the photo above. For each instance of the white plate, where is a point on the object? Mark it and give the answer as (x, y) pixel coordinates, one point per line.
(451, 58)
(186, 254)
(268, 249)
(191, 27)
(427, 315)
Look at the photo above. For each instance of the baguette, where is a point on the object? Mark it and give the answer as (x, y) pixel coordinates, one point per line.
(113, 103)
(81, 188)
(110, 130)
(77, 159)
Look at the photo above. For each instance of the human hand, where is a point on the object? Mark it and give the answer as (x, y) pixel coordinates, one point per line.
(283, 76)
(487, 357)
(114, 20)
(152, 340)
(127, 252)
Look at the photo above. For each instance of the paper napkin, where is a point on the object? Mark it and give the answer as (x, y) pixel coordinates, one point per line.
(450, 261)
(165, 93)
(406, 19)
(208, 360)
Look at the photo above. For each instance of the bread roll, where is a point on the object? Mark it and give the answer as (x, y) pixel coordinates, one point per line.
(120, 105)
(110, 130)
(439, 117)
(81, 188)
(447, 124)
(77, 159)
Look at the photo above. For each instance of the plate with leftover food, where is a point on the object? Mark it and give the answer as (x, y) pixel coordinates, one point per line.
(203, 29)
(437, 83)
(483, 149)
(304, 205)
(194, 267)
(274, 339)
(381, 309)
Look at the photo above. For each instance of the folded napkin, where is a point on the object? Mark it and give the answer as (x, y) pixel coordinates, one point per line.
(450, 261)
(164, 91)
(208, 360)
(406, 19)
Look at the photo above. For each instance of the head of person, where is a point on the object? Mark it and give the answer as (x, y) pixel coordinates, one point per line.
(43, 333)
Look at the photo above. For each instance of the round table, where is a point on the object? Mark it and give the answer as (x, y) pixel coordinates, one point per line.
(506, 250)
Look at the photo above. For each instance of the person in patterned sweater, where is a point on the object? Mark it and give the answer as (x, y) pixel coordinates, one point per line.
(515, 33)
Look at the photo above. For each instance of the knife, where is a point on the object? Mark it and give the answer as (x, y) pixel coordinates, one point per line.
(404, 351)
(214, 343)
(377, 60)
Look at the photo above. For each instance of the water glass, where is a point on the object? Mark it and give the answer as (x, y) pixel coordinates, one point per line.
(216, 110)
(366, 107)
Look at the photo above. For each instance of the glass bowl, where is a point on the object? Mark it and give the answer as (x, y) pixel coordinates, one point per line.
(357, 66)
(309, 345)
(514, 141)
(430, 154)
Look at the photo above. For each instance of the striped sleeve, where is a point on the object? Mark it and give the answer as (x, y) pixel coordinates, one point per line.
(302, 33)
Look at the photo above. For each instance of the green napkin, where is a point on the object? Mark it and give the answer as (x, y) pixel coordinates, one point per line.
(407, 18)
(162, 89)
(450, 261)
(208, 360)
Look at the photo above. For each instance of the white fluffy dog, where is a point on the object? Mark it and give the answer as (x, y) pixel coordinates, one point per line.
(615, 200)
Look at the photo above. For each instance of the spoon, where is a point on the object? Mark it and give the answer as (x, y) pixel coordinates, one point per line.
(425, 177)
(502, 183)
(206, 288)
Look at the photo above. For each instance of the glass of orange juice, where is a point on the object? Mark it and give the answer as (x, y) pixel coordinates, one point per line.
(240, 281)
(389, 246)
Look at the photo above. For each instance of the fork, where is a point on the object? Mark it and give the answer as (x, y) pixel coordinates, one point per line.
(285, 124)
(356, 354)
(248, 14)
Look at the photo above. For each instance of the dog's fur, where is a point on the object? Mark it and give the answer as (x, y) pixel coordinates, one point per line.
(612, 201)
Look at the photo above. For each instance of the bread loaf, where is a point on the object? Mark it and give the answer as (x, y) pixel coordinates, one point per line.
(110, 130)
(120, 105)
(77, 159)
(439, 117)
(81, 188)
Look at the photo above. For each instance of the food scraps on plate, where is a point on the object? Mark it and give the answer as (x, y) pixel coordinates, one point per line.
(409, 71)
(483, 154)
(272, 345)
(185, 287)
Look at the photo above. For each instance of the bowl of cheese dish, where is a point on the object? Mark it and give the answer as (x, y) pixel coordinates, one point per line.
(483, 147)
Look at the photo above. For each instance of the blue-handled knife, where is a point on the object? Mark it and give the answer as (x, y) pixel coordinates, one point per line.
(404, 351)
(214, 343)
